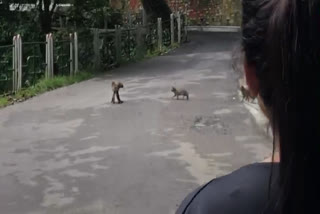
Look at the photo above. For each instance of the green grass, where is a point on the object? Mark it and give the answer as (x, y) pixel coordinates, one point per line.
(43, 86)
(59, 81)
(3, 101)
(163, 51)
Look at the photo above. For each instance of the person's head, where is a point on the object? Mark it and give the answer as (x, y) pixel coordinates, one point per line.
(281, 46)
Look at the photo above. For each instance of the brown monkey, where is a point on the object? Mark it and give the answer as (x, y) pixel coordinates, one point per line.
(115, 89)
(246, 94)
(181, 92)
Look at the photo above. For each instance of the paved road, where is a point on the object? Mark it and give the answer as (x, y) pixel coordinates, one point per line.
(71, 151)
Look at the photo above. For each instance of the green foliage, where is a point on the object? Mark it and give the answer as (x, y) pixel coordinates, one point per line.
(6, 30)
(94, 14)
(28, 27)
(88, 13)
(17, 22)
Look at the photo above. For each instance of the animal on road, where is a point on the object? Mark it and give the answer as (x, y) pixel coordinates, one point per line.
(246, 95)
(115, 89)
(180, 92)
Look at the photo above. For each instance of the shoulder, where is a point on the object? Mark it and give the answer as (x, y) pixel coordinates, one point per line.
(242, 191)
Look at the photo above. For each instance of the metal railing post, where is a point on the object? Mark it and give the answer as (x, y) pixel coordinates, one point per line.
(47, 61)
(159, 34)
(14, 64)
(172, 28)
(179, 27)
(51, 56)
(71, 54)
(19, 62)
(76, 53)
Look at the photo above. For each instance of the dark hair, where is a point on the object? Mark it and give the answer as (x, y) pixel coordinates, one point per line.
(281, 38)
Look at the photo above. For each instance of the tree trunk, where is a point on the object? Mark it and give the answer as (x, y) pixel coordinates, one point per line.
(156, 9)
(46, 14)
(45, 23)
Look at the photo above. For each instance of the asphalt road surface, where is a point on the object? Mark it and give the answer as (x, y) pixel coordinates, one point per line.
(72, 151)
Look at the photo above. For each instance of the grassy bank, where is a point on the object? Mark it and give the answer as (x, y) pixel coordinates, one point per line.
(43, 86)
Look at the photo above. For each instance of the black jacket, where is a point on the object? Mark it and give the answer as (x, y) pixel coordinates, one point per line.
(244, 191)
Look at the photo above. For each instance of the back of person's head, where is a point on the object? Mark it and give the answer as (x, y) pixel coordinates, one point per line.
(281, 41)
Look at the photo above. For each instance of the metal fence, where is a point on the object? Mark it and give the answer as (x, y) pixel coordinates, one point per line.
(62, 57)
(23, 64)
(85, 49)
(151, 37)
(33, 62)
(108, 50)
(128, 44)
(6, 68)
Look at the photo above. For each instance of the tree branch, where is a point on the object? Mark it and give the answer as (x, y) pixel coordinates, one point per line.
(40, 6)
(54, 7)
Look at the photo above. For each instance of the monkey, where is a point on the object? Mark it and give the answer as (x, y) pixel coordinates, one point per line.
(246, 94)
(181, 92)
(115, 89)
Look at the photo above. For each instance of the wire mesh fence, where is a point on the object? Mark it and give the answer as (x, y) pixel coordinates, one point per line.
(166, 33)
(85, 50)
(150, 38)
(184, 23)
(33, 62)
(128, 44)
(6, 68)
(62, 57)
(108, 50)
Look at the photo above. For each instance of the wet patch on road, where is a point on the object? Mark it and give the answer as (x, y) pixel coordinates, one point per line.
(199, 167)
(222, 111)
(74, 173)
(54, 194)
(211, 123)
(93, 149)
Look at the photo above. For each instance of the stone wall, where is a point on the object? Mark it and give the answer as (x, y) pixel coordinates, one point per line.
(209, 12)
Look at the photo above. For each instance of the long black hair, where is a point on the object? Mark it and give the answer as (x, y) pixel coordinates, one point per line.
(281, 39)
